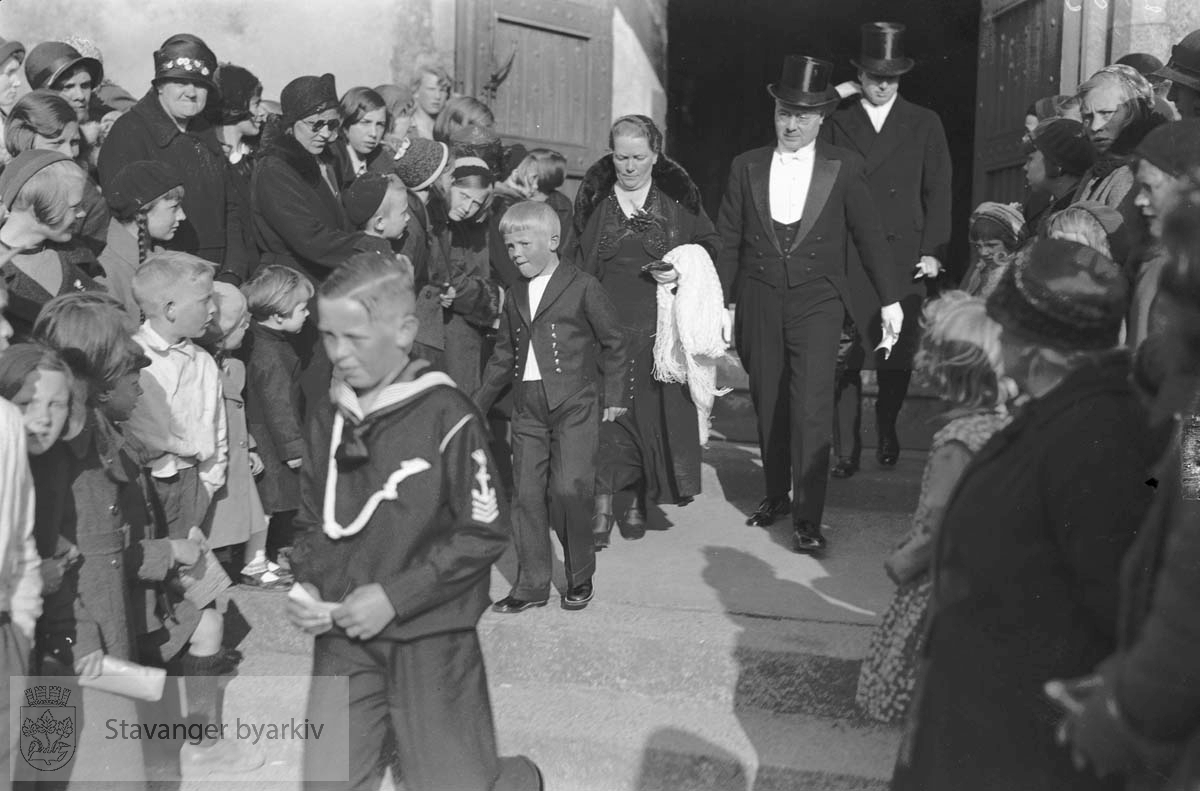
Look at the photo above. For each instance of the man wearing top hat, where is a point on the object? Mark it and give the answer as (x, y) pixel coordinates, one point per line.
(785, 219)
(1183, 70)
(908, 170)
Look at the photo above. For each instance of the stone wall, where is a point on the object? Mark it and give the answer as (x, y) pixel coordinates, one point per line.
(362, 42)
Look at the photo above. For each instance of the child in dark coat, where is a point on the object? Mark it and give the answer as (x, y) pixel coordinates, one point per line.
(403, 522)
(559, 329)
(277, 298)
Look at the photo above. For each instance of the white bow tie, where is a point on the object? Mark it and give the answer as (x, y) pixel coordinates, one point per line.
(791, 156)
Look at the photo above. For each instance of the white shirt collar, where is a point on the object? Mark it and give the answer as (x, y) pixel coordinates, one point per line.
(804, 154)
(881, 112)
(159, 344)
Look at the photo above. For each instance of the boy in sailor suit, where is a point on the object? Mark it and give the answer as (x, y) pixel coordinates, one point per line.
(402, 523)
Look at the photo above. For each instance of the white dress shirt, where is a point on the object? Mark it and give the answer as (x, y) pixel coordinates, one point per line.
(180, 419)
(878, 115)
(537, 287)
(791, 175)
(359, 165)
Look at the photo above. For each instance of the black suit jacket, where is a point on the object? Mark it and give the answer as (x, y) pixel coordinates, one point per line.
(575, 334)
(908, 170)
(839, 207)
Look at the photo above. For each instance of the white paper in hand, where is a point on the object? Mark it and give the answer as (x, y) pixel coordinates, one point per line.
(322, 609)
(888, 343)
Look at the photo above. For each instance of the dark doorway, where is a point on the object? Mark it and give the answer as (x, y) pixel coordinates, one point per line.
(723, 53)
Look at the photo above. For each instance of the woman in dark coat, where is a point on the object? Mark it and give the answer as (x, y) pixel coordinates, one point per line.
(298, 219)
(1140, 713)
(239, 116)
(168, 125)
(633, 207)
(1025, 586)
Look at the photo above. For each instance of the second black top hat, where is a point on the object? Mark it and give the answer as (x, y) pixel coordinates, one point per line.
(882, 50)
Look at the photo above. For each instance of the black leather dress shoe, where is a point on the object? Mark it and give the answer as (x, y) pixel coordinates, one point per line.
(845, 468)
(889, 450)
(807, 538)
(578, 597)
(769, 510)
(511, 604)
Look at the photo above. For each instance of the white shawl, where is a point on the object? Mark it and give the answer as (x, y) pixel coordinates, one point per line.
(689, 342)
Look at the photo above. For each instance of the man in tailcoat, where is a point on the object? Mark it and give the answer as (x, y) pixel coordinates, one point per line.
(785, 219)
(908, 170)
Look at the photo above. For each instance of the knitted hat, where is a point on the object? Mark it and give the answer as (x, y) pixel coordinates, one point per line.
(50, 60)
(1062, 295)
(422, 162)
(474, 140)
(1065, 143)
(308, 95)
(1173, 148)
(22, 169)
(185, 57)
(10, 49)
(237, 86)
(1184, 65)
(1007, 216)
(465, 167)
(364, 197)
(137, 184)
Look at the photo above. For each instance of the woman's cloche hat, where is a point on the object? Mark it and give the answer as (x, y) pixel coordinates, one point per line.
(805, 83)
(186, 57)
(50, 60)
(882, 50)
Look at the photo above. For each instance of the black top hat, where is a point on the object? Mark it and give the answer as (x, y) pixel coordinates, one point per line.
(50, 60)
(1184, 65)
(805, 83)
(882, 50)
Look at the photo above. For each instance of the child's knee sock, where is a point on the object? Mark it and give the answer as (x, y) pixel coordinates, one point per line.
(202, 680)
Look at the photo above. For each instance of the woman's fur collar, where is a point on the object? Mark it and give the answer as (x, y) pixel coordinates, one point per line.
(297, 158)
(668, 175)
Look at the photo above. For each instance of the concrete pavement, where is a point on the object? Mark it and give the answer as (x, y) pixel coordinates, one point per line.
(712, 657)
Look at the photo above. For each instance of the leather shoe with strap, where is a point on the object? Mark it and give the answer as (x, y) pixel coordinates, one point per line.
(578, 597)
(769, 510)
(511, 604)
(807, 538)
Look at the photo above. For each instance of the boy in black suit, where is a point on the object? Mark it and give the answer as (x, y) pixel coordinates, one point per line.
(558, 330)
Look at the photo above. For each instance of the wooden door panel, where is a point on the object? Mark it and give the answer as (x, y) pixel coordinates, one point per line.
(1020, 45)
(559, 92)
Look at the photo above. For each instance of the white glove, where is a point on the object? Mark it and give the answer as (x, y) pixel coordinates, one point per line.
(727, 326)
(928, 266)
(893, 318)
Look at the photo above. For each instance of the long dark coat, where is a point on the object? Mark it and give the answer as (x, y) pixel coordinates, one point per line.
(909, 173)
(274, 406)
(1026, 582)
(675, 476)
(298, 219)
(213, 228)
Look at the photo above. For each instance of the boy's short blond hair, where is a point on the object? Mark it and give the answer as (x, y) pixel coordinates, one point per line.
(161, 276)
(382, 284)
(276, 291)
(531, 216)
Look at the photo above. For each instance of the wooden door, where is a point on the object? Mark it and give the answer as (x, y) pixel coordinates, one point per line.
(558, 93)
(1020, 51)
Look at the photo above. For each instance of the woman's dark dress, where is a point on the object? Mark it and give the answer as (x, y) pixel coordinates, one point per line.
(655, 444)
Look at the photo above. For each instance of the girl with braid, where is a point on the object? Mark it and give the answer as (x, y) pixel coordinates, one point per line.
(145, 199)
